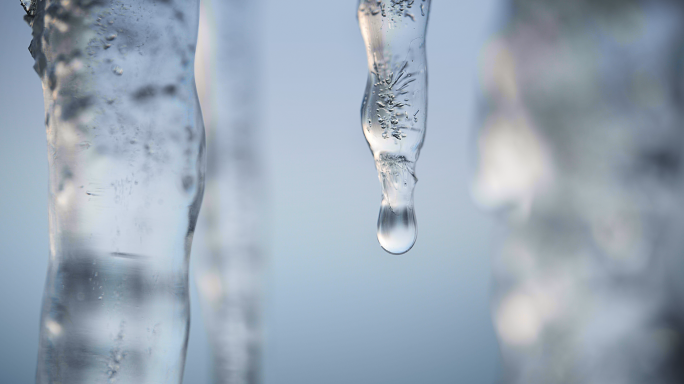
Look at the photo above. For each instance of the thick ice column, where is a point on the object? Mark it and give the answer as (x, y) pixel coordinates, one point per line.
(126, 164)
(394, 109)
(230, 243)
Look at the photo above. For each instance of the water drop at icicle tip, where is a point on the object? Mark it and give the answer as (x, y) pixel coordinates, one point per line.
(396, 229)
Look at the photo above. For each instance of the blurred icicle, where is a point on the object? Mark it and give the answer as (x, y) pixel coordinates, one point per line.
(580, 152)
(229, 253)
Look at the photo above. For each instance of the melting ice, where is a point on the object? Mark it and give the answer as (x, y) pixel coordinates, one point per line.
(394, 109)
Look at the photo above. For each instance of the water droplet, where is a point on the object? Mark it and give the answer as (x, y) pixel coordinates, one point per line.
(111, 37)
(396, 228)
(117, 70)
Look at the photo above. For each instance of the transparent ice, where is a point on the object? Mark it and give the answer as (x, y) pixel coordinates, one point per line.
(394, 109)
(228, 249)
(126, 164)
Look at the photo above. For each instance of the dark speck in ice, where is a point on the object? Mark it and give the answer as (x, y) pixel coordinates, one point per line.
(127, 255)
(76, 106)
(187, 181)
(145, 93)
(170, 89)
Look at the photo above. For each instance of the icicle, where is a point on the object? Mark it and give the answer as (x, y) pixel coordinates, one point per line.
(394, 110)
(229, 243)
(587, 186)
(126, 164)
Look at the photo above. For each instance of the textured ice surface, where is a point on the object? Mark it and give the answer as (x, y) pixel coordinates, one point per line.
(29, 6)
(126, 165)
(229, 243)
(394, 109)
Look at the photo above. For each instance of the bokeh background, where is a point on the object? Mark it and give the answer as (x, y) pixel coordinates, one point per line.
(337, 308)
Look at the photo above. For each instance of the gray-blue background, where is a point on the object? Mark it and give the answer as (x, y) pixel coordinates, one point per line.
(338, 309)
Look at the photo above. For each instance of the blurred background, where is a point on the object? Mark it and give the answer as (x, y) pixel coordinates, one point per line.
(580, 155)
(337, 308)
